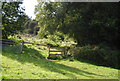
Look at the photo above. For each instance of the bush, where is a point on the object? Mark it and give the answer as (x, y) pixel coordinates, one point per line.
(96, 54)
(55, 37)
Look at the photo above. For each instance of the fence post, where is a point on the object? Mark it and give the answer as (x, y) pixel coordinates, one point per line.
(48, 51)
(22, 46)
(64, 51)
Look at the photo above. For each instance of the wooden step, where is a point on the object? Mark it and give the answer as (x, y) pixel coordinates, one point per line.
(55, 51)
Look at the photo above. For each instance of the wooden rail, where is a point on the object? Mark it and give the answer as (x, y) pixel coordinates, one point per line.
(12, 42)
(53, 51)
(8, 42)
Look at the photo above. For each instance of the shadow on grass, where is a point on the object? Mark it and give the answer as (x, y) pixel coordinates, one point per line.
(33, 56)
(97, 64)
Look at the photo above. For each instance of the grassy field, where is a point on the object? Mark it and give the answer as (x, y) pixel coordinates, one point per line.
(31, 64)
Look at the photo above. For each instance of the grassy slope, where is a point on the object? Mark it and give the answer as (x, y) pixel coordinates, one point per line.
(30, 65)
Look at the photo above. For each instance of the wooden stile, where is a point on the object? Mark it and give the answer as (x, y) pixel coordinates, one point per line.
(61, 51)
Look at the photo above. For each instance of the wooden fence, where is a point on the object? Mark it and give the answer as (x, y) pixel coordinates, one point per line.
(30, 43)
(52, 51)
(13, 42)
(8, 42)
(56, 51)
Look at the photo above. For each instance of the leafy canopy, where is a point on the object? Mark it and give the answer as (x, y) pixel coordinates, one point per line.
(13, 18)
(88, 23)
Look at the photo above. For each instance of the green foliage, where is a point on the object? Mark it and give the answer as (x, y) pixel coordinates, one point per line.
(13, 18)
(54, 37)
(96, 54)
(46, 41)
(31, 27)
(87, 23)
(57, 37)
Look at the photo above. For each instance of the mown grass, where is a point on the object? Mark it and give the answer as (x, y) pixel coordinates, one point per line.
(31, 64)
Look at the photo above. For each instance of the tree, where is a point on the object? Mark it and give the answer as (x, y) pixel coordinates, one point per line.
(13, 18)
(88, 23)
(31, 27)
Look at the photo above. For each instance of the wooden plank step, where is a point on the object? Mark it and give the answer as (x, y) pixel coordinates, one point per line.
(55, 51)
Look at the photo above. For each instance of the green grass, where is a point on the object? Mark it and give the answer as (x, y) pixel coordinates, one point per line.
(31, 64)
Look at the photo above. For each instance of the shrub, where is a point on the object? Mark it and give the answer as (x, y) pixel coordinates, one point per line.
(54, 37)
(96, 54)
